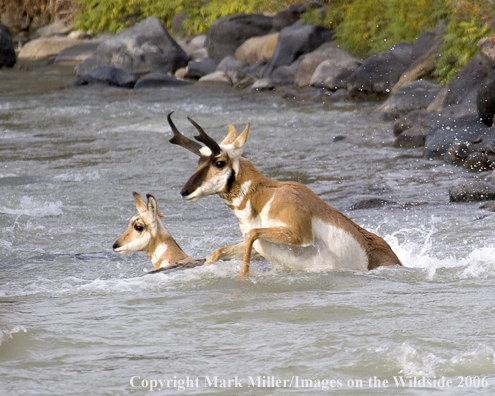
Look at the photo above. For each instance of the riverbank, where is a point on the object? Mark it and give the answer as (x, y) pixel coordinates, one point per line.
(300, 63)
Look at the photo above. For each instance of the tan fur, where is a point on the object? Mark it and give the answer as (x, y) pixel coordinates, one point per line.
(290, 209)
(161, 247)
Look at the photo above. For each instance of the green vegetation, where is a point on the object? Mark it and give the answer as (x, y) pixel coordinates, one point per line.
(363, 27)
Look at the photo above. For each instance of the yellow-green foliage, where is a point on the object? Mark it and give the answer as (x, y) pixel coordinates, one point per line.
(363, 27)
(471, 21)
(372, 26)
(114, 15)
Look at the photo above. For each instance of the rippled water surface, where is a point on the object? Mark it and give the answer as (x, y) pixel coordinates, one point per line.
(77, 319)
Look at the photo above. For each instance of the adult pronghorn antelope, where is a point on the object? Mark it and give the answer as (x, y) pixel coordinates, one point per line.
(147, 233)
(285, 222)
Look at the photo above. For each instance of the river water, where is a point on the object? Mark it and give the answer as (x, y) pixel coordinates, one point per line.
(77, 319)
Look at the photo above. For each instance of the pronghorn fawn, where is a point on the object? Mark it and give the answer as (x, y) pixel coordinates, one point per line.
(147, 233)
(285, 222)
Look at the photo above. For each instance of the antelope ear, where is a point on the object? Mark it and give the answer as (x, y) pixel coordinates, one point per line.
(241, 141)
(140, 205)
(231, 136)
(152, 206)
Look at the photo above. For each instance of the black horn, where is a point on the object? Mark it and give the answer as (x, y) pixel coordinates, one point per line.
(181, 140)
(204, 138)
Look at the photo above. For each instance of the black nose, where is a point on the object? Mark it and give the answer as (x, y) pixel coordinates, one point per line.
(116, 245)
(184, 192)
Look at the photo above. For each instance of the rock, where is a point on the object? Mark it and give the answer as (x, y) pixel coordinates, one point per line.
(333, 73)
(486, 99)
(159, 80)
(106, 75)
(194, 47)
(295, 41)
(45, 47)
(488, 206)
(288, 17)
(257, 49)
(78, 53)
(472, 192)
(424, 55)
(311, 61)
(412, 119)
(478, 161)
(226, 34)
(284, 75)
(486, 47)
(463, 89)
(54, 29)
(234, 68)
(412, 137)
(217, 78)
(380, 72)
(461, 129)
(146, 47)
(371, 203)
(7, 52)
(263, 84)
(198, 69)
(416, 95)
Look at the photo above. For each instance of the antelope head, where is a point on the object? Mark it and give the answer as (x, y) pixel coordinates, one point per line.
(142, 228)
(218, 163)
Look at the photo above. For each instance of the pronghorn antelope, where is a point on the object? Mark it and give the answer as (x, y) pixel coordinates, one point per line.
(147, 233)
(285, 222)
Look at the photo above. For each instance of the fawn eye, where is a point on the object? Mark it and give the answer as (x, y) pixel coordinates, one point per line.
(139, 228)
(219, 164)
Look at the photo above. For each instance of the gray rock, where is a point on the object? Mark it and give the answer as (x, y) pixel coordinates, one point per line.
(79, 52)
(486, 99)
(159, 80)
(333, 73)
(472, 192)
(416, 95)
(106, 75)
(146, 47)
(463, 89)
(412, 137)
(288, 17)
(198, 69)
(457, 129)
(226, 34)
(414, 118)
(7, 52)
(294, 41)
(379, 73)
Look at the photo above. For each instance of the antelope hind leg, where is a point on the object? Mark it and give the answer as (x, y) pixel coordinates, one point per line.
(226, 253)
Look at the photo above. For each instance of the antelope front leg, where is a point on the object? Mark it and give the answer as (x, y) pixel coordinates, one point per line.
(226, 253)
(275, 234)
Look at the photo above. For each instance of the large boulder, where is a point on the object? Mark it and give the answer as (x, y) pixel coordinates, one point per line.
(7, 52)
(416, 95)
(106, 75)
(464, 130)
(424, 56)
(333, 72)
(485, 101)
(311, 61)
(463, 89)
(226, 34)
(146, 47)
(78, 53)
(472, 192)
(45, 47)
(294, 41)
(257, 49)
(380, 72)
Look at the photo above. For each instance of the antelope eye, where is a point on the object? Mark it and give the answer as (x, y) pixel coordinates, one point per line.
(219, 164)
(139, 228)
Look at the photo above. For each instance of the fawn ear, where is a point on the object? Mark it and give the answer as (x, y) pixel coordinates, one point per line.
(140, 205)
(152, 206)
